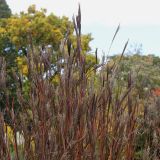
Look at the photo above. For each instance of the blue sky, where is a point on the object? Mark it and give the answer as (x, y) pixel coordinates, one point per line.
(139, 19)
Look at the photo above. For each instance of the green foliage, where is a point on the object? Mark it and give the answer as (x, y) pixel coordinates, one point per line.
(5, 11)
(144, 67)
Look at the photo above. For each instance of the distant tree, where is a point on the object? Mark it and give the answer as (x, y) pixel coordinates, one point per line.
(5, 11)
(135, 48)
(145, 69)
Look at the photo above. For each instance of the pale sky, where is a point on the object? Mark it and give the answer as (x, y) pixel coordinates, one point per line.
(139, 19)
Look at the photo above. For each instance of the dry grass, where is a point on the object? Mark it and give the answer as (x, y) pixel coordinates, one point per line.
(87, 114)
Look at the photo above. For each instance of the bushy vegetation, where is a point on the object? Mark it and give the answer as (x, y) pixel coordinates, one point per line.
(71, 106)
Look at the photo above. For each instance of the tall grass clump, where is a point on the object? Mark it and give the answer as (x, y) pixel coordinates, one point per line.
(71, 110)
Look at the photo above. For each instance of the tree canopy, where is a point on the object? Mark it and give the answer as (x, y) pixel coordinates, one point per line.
(145, 68)
(5, 11)
(40, 28)
(35, 29)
